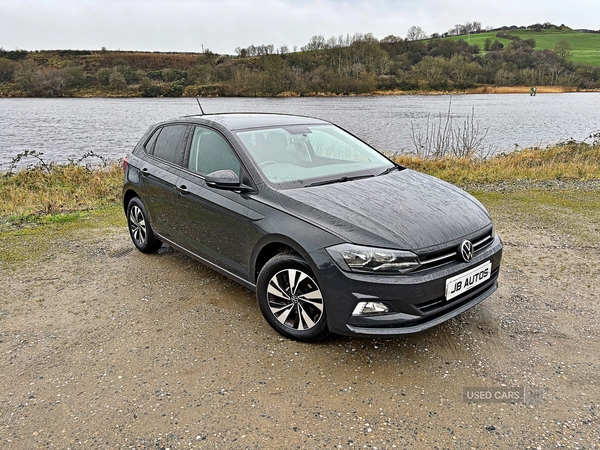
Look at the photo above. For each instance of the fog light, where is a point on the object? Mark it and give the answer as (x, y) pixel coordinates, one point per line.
(369, 308)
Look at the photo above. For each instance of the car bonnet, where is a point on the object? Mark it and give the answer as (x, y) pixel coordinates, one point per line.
(404, 210)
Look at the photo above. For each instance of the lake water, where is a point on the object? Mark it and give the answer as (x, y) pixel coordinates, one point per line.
(68, 128)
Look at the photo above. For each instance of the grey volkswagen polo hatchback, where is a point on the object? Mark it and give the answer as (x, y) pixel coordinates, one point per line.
(330, 234)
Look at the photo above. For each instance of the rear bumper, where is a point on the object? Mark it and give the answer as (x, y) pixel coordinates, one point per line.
(416, 301)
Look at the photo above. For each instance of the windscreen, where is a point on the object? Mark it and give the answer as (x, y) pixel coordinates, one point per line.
(302, 155)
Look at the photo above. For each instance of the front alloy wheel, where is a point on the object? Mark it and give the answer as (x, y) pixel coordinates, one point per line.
(290, 298)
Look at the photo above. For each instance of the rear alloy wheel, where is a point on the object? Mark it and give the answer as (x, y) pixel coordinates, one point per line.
(139, 227)
(290, 299)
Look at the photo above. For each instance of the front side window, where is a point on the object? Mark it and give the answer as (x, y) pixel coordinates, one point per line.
(169, 143)
(211, 152)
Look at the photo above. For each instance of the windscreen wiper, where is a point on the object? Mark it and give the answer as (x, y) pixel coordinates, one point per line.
(339, 180)
(388, 170)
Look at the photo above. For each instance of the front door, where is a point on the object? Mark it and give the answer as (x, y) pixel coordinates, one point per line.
(214, 223)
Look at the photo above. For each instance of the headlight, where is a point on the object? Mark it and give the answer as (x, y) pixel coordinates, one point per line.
(357, 258)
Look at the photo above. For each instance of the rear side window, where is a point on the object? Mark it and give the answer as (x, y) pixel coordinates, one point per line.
(168, 143)
(149, 147)
(211, 152)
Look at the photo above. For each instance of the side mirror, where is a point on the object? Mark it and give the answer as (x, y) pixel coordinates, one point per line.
(225, 179)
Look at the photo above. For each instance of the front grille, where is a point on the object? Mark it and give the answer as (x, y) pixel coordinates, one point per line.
(447, 255)
(441, 302)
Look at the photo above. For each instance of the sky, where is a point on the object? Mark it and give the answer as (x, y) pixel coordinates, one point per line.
(223, 25)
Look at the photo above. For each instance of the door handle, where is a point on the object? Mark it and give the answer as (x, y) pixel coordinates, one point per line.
(145, 171)
(183, 189)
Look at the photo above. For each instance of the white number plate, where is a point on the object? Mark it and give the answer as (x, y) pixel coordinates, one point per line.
(462, 283)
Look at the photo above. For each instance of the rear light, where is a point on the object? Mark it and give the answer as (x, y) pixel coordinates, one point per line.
(125, 163)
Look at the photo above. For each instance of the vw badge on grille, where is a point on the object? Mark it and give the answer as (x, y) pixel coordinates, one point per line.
(466, 251)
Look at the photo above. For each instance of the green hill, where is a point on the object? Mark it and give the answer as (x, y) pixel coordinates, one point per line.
(585, 47)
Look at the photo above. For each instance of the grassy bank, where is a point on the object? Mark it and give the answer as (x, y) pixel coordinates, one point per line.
(67, 193)
(483, 89)
(570, 161)
(57, 193)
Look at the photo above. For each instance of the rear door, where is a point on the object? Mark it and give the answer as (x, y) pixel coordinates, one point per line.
(160, 170)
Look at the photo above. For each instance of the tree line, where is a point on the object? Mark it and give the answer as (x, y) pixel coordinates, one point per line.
(350, 64)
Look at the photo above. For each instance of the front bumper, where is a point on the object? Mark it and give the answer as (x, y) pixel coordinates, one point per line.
(416, 301)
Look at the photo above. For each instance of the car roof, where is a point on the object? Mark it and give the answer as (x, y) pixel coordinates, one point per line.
(242, 121)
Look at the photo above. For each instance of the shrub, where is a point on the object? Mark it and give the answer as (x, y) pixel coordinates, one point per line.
(496, 45)
(170, 74)
(103, 76)
(155, 74)
(41, 82)
(14, 55)
(129, 75)
(175, 89)
(152, 90)
(7, 69)
(206, 90)
(75, 77)
(117, 81)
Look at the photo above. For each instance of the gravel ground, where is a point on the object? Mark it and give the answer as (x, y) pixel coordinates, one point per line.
(105, 347)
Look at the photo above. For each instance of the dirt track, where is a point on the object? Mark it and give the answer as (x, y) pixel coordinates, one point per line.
(104, 347)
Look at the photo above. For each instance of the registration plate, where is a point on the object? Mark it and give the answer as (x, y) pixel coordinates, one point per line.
(465, 281)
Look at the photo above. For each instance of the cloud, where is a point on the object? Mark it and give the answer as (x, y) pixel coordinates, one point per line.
(223, 25)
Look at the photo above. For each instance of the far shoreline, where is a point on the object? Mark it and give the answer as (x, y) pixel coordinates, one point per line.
(475, 90)
(492, 90)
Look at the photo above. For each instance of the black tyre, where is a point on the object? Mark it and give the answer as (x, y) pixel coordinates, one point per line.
(139, 227)
(290, 299)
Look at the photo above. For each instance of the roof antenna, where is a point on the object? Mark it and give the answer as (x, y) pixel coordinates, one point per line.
(198, 100)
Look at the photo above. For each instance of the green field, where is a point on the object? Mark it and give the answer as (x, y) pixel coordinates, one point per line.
(585, 47)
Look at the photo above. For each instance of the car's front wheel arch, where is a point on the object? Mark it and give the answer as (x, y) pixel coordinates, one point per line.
(269, 251)
(271, 245)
